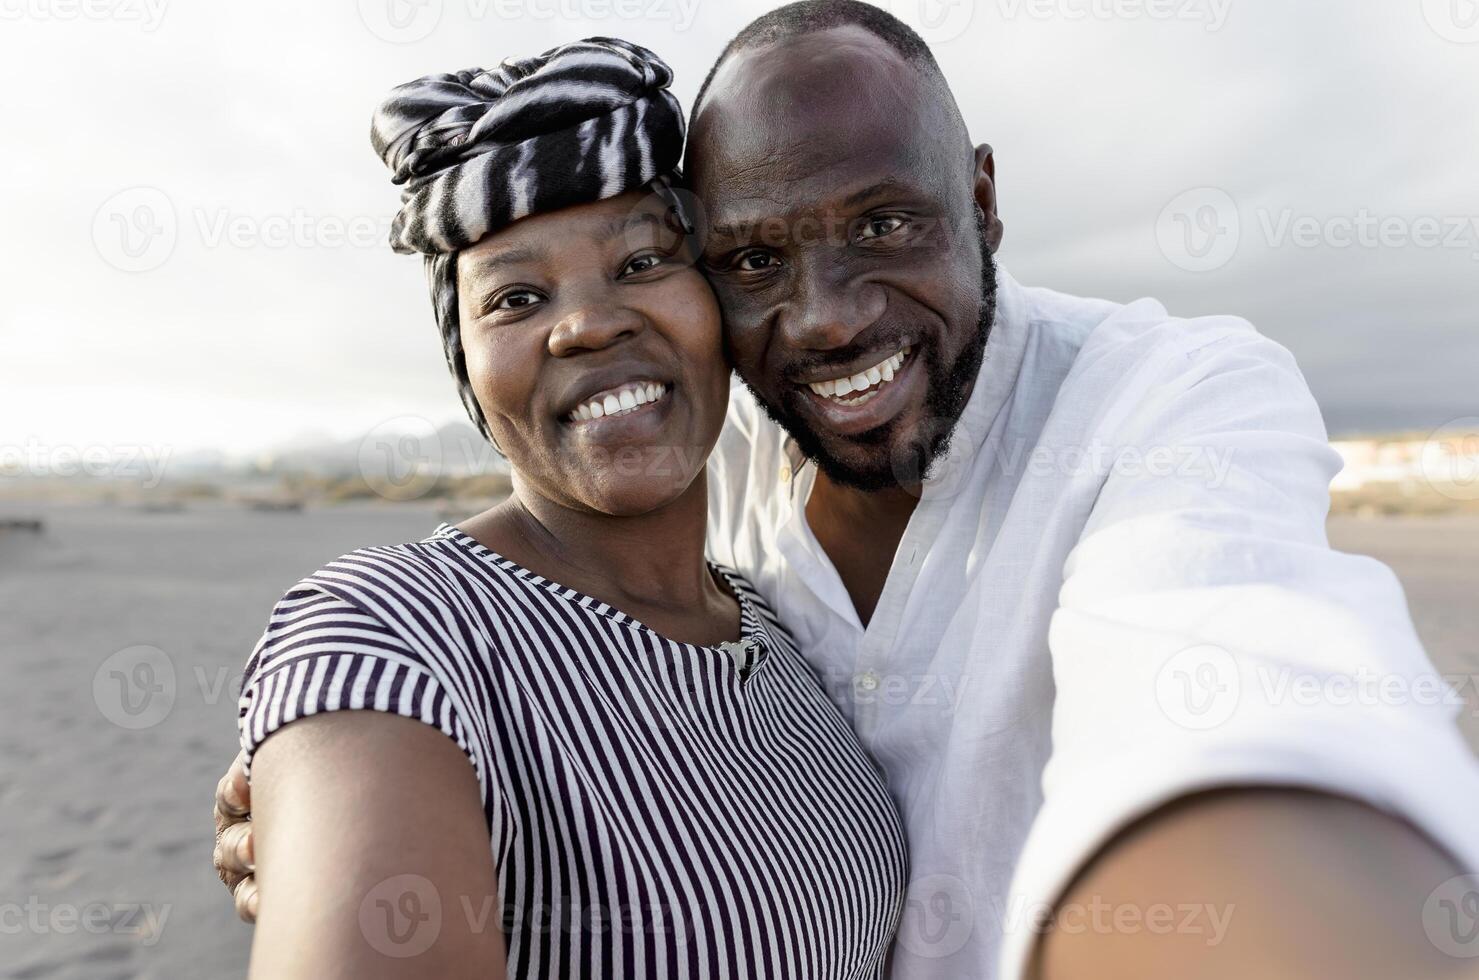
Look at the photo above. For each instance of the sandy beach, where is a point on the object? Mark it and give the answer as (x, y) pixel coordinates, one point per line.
(125, 633)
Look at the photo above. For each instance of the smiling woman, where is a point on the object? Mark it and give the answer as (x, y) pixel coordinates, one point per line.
(657, 783)
(595, 310)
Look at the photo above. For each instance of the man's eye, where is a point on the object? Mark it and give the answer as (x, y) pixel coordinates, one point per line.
(879, 227)
(757, 261)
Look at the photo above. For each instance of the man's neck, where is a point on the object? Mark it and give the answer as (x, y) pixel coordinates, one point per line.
(860, 531)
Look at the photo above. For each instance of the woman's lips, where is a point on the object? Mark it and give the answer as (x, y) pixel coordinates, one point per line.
(642, 421)
(619, 400)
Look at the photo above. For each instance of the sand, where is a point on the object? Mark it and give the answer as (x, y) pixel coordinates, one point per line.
(105, 794)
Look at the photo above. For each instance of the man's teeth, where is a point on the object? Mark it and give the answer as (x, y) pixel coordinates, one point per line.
(866, 381)
(619, 401)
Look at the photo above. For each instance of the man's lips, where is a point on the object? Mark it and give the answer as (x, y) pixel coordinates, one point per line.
(855, 412)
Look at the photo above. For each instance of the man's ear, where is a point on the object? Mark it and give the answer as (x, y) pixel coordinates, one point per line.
(984, 181)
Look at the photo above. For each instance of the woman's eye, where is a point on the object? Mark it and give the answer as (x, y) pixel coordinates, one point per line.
(757, 261)
(641, 263)
(517, 299)
(879, 227)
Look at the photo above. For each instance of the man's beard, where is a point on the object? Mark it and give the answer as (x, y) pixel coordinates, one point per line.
(949, 387)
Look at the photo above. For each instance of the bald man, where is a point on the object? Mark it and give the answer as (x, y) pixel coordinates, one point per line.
(1061, 562)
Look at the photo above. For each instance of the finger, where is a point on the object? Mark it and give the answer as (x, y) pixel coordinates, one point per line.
(233, 792)
(235, 851)
(229, 876)
(247, 898)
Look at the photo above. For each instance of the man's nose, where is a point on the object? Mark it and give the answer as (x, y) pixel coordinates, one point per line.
(594, 324)
(830, 310)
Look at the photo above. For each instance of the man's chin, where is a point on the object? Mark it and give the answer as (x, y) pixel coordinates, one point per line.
(900, 459)
(874, 459)
(896, 454)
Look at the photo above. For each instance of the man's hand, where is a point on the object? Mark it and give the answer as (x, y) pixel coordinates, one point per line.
(235, 858)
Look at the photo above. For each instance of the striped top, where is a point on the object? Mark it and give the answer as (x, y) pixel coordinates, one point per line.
(655, 808)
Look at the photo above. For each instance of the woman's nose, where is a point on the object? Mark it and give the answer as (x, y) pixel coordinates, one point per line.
(593, 326)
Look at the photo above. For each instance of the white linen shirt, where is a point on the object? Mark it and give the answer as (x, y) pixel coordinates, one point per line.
(1116, 589)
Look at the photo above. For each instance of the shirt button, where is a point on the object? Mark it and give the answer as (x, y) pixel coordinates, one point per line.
(867, 681)
(785, 473)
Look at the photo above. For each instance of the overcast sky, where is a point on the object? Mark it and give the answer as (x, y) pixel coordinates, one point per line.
(194, 252)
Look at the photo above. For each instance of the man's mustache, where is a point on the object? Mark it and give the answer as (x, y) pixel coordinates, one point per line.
(877, 341)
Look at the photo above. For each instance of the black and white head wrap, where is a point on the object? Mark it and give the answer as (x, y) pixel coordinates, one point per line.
(476, 150)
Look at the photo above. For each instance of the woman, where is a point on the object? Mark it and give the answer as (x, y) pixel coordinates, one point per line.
(663, 787)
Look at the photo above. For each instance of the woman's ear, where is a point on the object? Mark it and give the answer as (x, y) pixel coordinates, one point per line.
(983, 178)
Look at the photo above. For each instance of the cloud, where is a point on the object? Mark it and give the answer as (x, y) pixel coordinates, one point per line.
(251, 121)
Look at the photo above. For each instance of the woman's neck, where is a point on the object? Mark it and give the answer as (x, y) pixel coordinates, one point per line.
(651, 560)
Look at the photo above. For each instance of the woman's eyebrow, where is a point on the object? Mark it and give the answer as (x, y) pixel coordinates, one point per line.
(618, 226)
(515, 255)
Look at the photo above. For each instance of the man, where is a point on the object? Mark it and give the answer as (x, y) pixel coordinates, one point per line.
(1060, 561)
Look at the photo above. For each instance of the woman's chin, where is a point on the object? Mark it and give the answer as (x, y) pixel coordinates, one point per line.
(631, 495)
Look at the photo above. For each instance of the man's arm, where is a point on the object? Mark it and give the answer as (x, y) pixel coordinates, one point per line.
(1255, 883)
(371, 854)
(1208, 639)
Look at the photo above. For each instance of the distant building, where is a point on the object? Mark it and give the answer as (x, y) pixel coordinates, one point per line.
(1444, 462)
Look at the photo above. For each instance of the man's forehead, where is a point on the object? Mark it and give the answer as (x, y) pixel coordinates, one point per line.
(795, 121)
(846, 54)
(831, 168)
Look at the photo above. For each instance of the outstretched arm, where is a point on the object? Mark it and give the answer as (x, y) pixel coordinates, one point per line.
(372, 854)
(1245, 720)
(1256, 883)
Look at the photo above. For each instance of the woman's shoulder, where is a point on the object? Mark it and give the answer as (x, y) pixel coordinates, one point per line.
(430, 571)
(380, 628)
(418, 591)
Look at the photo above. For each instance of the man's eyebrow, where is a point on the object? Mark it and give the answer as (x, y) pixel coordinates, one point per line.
(745, 226)
(871, 191)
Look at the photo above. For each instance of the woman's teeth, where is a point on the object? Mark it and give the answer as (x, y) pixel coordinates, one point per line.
(858, 388)
(619, 401)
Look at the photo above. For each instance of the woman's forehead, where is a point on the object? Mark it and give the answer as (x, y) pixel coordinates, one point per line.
(543, 236)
